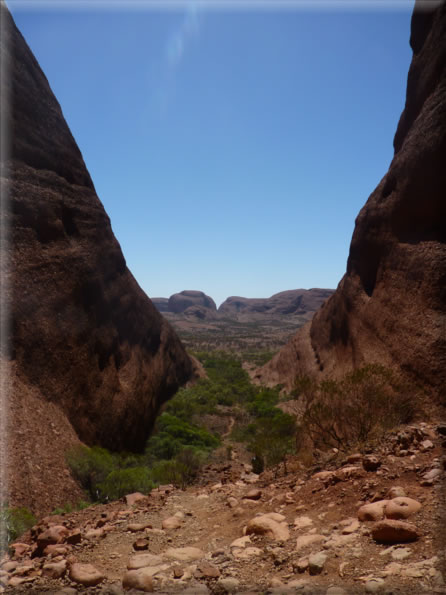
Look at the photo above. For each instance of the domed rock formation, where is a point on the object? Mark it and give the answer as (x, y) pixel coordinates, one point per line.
(303, 302)
(390, 306)
(179, 302)
(82, 338)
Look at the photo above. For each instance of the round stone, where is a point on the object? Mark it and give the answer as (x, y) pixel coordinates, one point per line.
(86, 574)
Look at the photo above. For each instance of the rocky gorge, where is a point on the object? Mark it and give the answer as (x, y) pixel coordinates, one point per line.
(89, 358)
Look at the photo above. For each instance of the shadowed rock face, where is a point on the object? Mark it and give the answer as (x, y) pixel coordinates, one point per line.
(82, 333)
(390, 305)
(179, 302)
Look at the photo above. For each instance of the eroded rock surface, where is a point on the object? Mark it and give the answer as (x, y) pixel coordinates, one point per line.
(397, 260)
(83, 336)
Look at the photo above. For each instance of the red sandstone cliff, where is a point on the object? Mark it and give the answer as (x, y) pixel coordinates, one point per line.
(89, 356)
(390, 306)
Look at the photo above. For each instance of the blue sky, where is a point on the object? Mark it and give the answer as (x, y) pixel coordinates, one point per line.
(232, 149)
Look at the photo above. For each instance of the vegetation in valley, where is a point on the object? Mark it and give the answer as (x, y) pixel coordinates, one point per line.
(258, 358)
(345, 414)
(181, 443)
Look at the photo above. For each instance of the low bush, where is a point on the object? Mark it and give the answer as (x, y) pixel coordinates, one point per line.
(172, 434)
(14, 522)
(180, 471)
(69, 507)
(65, 509)
(348, 413)
(270, 433)
(91, 467)
(272, 438)
(263, 403)
(120, 482)
(106, 476)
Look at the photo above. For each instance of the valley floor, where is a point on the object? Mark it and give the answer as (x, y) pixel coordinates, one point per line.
(215, 538)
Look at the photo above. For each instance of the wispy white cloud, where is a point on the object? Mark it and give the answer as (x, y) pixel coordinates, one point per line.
(175, 47)
(179, 39)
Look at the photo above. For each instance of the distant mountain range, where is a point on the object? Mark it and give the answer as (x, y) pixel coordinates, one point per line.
(196, 304)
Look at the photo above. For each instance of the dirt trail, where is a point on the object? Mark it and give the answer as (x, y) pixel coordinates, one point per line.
(314, 520)
(230, 426)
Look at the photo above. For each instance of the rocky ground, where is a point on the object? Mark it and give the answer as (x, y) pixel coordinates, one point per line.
(368, 523)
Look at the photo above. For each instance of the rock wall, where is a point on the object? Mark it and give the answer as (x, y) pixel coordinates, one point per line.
(390, 306)
(82, 336)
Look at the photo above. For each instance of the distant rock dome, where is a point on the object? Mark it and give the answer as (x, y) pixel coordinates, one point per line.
(179, 302)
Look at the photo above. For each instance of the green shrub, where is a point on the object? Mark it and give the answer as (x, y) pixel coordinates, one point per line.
(15, 521)
(107, 476)
(263, 403)
(180, 471)
(82, 505)
(165, 471)
(66, 509)
(194, 401)
(270, 433)
(69, 507)
(125, 481)
(91, 467)
(271, 439)
(190, 461)
(172, 434)
(348, 413)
